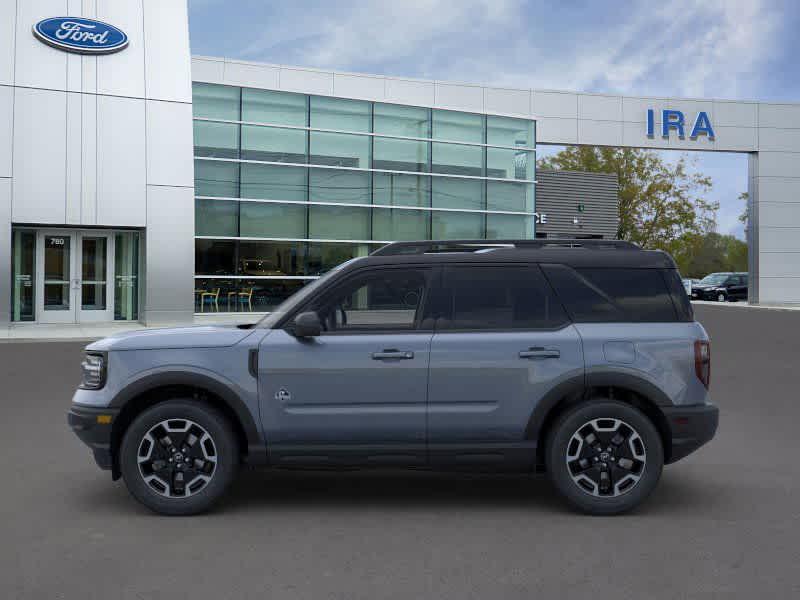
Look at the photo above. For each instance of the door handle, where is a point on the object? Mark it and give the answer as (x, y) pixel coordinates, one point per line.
(393, 354)
(540, 353)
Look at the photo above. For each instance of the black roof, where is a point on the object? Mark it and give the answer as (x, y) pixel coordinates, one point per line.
(575, 253)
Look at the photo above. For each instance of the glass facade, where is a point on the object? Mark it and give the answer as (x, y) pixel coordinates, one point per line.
(290, 185)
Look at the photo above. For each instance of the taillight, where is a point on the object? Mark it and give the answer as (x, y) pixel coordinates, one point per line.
(702, 361)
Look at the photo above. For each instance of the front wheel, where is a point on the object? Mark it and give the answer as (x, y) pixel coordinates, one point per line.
(178, 457)
(605, 457)
(721, 297)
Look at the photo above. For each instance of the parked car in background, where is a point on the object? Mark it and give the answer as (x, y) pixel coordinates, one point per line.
(688, 284)
(722, 287)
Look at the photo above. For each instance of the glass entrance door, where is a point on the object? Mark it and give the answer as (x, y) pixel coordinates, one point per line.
(56, 277)
(94, 302)
(73, 273)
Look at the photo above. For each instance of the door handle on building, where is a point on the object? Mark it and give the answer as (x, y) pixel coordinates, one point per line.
(393, 355)
(540, 353)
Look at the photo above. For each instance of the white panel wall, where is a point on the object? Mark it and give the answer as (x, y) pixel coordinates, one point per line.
(169, 144)
(238, 73)
(213, 69)
(121, 73)
(8, 24)
(353, 86)
(169, 254)
(167, 59)
(121, 161)
(459, 97)
(406, 91)
(5, 248)
(89, 159)
(6, 128)
(39, 156)
(600, 108)
(509, 102)
(306, 81)
(74, 159)
(36, 64)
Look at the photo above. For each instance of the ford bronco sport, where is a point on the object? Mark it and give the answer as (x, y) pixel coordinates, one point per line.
(579, 358)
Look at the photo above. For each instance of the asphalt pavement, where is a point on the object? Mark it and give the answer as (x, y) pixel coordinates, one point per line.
(724, 523)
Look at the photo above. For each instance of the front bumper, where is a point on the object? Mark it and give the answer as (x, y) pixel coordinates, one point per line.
(93, 427)
(691, 426)
(705, 294)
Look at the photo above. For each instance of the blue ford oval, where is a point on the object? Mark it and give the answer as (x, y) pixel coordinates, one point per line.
(84, 36)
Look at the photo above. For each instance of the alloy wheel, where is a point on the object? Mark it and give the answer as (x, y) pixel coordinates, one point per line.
(177, 458)
(606, 457)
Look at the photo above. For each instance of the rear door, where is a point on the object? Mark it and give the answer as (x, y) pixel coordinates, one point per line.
(739, 287)
(358, 392)
(502, 342)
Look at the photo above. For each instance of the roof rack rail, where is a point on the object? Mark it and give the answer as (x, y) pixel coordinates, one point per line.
(436, 246)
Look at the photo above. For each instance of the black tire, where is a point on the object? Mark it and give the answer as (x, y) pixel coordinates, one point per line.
(722, 297)
(223, 464)
(560, 473)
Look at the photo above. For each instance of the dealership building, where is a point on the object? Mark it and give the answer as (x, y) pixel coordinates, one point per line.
(140, 183)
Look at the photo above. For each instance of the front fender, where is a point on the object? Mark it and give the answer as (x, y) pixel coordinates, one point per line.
(213, 383)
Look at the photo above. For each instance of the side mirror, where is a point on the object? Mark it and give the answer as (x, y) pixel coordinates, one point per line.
(307, 325)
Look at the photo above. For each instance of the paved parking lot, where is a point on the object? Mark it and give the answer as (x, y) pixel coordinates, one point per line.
(723, 523)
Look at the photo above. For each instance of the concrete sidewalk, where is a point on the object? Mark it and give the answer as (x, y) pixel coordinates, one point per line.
(18, 332)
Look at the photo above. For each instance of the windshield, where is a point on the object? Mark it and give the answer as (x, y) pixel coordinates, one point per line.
(268, 321)
(714, 279)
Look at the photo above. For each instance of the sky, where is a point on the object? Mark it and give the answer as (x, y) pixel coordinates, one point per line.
(732, 49)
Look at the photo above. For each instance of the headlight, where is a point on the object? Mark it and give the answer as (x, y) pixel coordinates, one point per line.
(93, 370)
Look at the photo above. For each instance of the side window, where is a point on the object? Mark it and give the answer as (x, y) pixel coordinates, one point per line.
(376, 300)
(680, 299)
(498, 297)
(612, 294)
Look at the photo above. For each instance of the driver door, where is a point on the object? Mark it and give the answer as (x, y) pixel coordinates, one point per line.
(358, 392)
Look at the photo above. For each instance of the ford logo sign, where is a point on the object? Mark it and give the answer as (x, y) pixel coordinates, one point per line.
(84, 36)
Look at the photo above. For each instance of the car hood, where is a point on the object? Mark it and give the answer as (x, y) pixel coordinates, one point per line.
(705, 286)
(201, 336)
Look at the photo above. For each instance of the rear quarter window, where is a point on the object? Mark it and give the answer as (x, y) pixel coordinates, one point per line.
(599, 294)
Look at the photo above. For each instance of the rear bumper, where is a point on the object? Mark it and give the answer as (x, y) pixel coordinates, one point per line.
(691, 426)
(83, 420)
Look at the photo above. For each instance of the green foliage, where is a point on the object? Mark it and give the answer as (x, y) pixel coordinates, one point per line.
(660, 203)
(699, 255)
(745, 216)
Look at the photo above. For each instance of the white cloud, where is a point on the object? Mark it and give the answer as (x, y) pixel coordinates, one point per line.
(687, 47)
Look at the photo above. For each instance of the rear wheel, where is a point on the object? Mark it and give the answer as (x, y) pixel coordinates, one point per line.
(178, 457)
(605, 457)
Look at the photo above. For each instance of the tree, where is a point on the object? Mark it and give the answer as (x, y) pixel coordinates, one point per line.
(660, 203)
(745, 216)
(699, 255)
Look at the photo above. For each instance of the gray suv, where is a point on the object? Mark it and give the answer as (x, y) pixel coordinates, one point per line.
(578, 358)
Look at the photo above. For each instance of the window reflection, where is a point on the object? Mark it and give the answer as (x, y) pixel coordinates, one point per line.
(324, 257)
(215, 101)
(280, 108)
(219, 140)
(271, 258)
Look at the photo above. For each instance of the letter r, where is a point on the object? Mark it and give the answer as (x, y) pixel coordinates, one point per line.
(672, 119)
